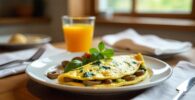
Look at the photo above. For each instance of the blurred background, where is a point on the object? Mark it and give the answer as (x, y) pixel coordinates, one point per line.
(174, 19)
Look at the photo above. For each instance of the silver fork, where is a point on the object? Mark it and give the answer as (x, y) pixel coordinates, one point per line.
(35, 56)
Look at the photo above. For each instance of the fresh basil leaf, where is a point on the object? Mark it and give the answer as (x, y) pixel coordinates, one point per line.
(96, 56)
(85, 60)
(93, 50)
(93, 57)
(101, 46)
(72, 65)
(108, 53)
(100, 56)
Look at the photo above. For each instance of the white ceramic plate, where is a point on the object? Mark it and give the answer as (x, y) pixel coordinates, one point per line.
(4, 38)
(38, 69)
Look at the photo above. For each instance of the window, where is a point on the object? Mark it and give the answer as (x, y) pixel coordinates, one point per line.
(115, 6)
(151, 8)
(163, 6)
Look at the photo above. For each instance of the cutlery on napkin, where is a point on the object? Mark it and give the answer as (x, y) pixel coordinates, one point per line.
(184, 87)
(147, 44)
(34, 57)
(24, 54)
(166, 91)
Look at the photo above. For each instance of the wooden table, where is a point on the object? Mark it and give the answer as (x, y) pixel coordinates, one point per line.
(20, 87)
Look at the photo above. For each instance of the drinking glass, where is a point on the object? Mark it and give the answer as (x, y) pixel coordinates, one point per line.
(78, 33)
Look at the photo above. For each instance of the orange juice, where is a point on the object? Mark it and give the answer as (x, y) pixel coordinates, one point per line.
(78, 37)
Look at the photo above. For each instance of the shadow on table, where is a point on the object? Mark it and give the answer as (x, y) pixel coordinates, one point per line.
(47, 93)
(175, 59)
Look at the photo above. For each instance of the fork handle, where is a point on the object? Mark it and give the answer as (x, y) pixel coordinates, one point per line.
(11, 62)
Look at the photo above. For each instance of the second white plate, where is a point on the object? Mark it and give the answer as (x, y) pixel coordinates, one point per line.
(4, 45)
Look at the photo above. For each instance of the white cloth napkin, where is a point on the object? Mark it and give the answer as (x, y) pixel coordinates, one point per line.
(24, 54)
(147, 44)
(167, 90)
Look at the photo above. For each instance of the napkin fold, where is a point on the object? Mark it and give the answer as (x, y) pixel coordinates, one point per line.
(24, 54)
(147, 44)
(167, 90)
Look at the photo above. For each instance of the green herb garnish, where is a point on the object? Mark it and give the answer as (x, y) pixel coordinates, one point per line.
(88, 74)
(96, 63)
(72, 65)
(129, 64)
(102, 51)
(101, 46)
(95, 55)
(134, 62)
(105, 67)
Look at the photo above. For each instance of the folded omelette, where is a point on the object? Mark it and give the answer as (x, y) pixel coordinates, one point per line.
(113, 72)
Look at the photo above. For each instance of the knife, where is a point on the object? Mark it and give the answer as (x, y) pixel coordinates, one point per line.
(184, 87)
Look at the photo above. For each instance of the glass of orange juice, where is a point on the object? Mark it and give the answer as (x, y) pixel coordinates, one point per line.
(78, 33)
